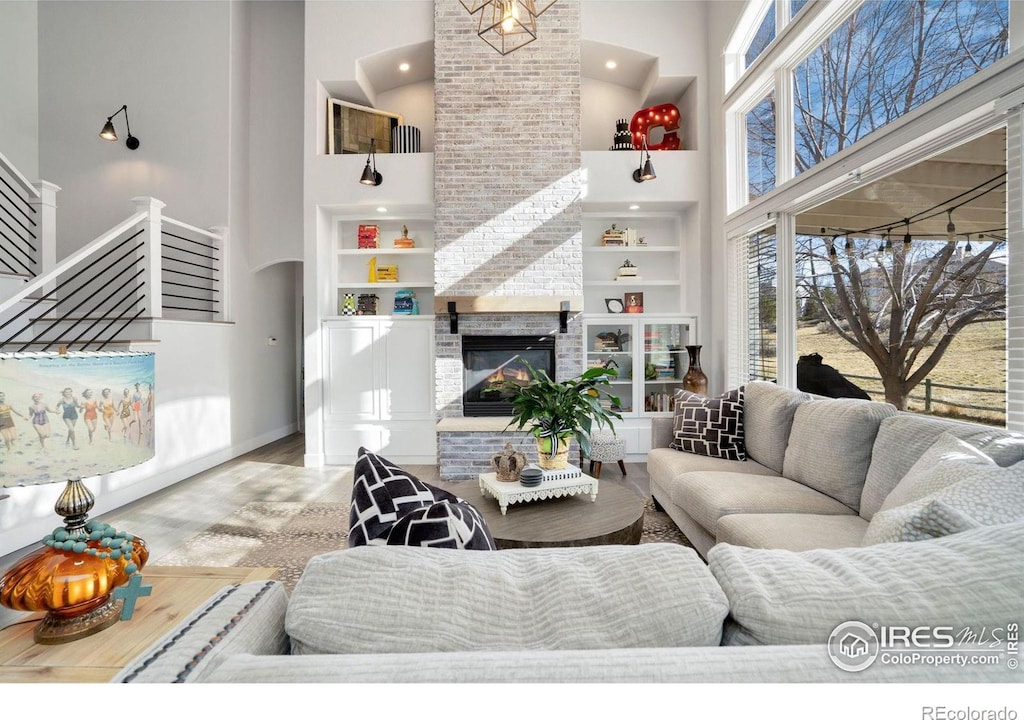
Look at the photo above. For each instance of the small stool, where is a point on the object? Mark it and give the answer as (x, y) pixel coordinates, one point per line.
(606, 446)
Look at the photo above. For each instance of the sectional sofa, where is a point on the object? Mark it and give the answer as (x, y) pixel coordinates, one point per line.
(794, 555)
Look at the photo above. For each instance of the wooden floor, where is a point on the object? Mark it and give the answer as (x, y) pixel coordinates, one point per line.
(274, 472)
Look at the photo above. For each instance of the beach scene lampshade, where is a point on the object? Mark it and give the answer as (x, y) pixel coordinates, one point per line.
(66, 417)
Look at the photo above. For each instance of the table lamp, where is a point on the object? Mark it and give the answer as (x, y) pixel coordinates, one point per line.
(80, 576)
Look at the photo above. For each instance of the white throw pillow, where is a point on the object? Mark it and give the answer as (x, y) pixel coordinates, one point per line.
(948, 461)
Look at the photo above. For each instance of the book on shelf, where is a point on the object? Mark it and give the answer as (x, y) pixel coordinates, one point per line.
(567, 473)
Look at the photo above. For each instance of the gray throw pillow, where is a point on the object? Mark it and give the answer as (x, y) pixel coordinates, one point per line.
(989, 496)
(948, 461)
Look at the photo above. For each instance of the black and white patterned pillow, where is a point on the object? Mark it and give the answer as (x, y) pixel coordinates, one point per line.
(709, 426)
(383, 494)
(456, 525)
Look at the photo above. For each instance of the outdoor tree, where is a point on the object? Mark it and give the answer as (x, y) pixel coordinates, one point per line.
(902, 308)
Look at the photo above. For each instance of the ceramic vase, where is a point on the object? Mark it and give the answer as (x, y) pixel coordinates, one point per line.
(695, 380)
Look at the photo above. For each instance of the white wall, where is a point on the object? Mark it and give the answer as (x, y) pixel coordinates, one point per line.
(275, 132)
(222, 389)
(168, 61)
(19, 86)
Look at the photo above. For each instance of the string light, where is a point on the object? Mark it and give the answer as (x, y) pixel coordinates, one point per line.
(888, 243)
(967, 248)
(906, 236)
(950, 227)
(850, 247)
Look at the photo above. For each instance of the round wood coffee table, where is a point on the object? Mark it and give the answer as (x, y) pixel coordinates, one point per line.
(615, 518)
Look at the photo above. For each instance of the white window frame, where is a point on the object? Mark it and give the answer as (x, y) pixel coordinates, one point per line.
(991, 98)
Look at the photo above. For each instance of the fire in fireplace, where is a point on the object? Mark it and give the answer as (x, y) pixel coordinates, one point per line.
(490, 360)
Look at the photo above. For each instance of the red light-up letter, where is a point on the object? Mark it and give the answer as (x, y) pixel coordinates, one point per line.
(664, 116)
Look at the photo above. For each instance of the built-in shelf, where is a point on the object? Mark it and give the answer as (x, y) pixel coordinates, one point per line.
(400, 285)
(632, 283)
(389, 251)
(629, 249)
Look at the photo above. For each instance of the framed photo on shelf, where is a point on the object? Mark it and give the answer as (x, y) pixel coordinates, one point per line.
(614, 305)
(350, 128)
(634, 302)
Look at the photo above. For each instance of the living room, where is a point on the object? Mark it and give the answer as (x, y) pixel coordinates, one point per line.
(506, 199)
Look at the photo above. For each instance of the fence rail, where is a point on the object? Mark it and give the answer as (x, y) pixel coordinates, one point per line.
(929, 397)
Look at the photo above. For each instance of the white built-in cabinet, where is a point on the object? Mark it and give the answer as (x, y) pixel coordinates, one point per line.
(649, 354)
(379, 388)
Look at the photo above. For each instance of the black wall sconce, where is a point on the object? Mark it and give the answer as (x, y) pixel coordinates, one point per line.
(563, 317)
(646, 169)
(371, 176)
(107, 133)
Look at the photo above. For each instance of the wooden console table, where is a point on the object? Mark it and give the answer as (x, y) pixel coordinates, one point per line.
(177, 591)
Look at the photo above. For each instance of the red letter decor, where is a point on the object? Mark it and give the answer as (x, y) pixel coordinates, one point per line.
(666, 116)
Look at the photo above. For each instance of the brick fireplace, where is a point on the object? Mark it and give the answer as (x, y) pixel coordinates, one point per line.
(507, 216)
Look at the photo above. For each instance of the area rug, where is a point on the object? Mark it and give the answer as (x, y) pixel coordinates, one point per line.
(285, 535)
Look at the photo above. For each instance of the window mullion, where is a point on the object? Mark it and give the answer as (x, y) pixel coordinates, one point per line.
(784, 133)
(785, 300)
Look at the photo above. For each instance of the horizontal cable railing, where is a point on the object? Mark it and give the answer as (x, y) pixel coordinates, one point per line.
(93, 297)
(19, 222)
(190, 271)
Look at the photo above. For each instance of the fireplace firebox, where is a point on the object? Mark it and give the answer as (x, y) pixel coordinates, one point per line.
(490, 360)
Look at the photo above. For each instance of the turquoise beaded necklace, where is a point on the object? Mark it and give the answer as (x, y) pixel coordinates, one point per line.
(114, 544)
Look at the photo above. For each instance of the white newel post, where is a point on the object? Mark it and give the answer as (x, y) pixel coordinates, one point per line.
(150, 255)
(46, 216)
(223, 274)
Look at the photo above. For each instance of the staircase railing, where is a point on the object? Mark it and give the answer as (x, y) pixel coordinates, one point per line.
(95, 296)
(27, 223)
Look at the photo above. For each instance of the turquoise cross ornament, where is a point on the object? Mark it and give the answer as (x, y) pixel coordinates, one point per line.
(130, 593)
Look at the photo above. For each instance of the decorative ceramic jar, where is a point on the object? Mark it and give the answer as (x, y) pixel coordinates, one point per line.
(508, 464)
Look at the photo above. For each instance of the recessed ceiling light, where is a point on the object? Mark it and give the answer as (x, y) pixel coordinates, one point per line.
(611, 64)
(634, 207)
(404, 67)
(382, 209)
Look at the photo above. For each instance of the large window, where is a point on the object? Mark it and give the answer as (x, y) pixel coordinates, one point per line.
(760, 127)
(892, 263)
(755, 282)
(764, 35)
(886, 59)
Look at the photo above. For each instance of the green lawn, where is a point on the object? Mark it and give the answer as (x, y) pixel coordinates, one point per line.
(977, 358)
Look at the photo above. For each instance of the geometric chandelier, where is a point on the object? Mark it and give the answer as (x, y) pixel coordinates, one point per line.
(507, 25)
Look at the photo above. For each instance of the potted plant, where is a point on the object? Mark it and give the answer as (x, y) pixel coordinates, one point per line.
(555, 412)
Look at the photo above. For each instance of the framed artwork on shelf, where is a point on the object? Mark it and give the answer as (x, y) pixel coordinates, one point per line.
(614, 305)
(634, 302)
(350, 128)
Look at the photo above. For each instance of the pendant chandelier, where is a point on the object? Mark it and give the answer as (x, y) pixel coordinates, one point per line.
(507, 25)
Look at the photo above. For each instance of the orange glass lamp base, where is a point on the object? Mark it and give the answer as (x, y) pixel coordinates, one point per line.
(73, 587)
(73, 577)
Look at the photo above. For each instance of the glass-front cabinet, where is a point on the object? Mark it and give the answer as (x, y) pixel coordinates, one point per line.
(649, 354)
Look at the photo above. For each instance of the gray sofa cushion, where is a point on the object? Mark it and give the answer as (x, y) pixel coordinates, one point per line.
(830, 445)
(664, 464)
(374, 599)
(775, 664)
(768, 419)
(791, 531)
(904, 438)
(778, 597)
(707, 496)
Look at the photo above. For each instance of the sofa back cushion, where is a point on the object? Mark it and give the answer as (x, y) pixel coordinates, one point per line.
(904, 438)
(830, 445)
(374, 599)
(778, 597)
(768, 417)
